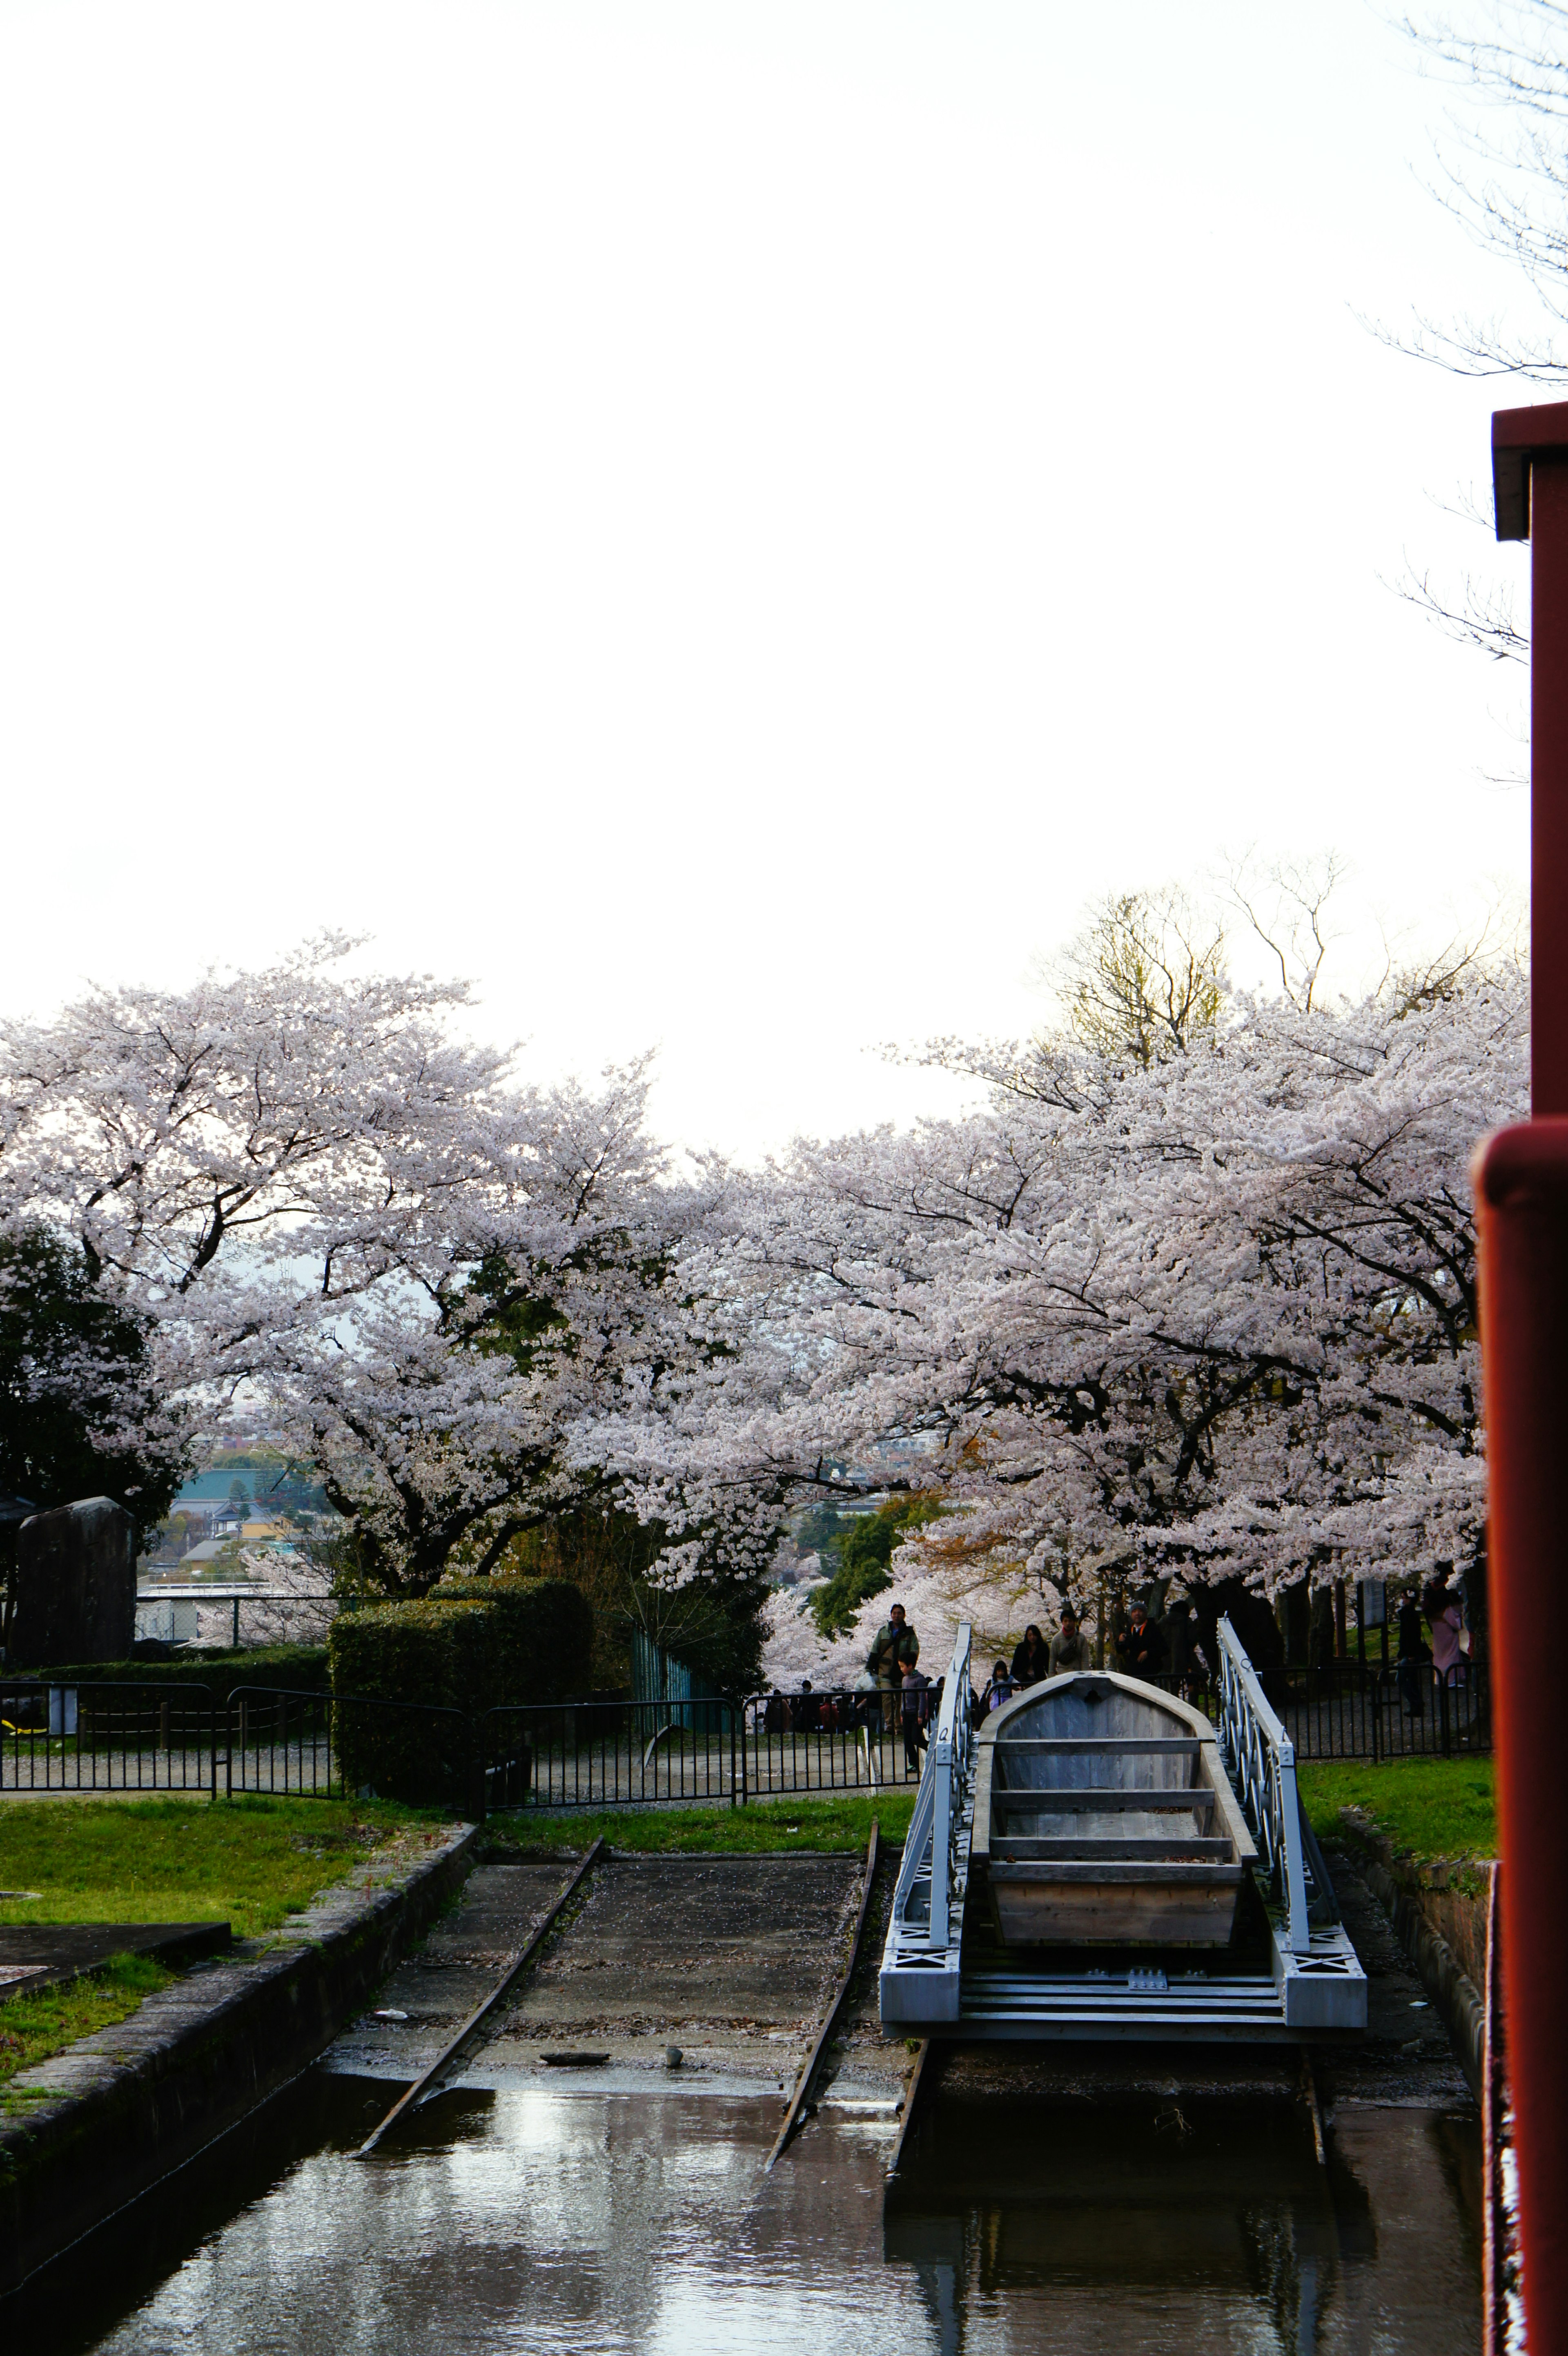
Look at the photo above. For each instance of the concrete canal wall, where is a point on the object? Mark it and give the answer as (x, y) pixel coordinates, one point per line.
(1439, 1912)
(101, 2122)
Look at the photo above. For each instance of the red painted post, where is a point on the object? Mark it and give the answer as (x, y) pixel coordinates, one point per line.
(1522, 1186)
(1530, 480)
(1522, 1192)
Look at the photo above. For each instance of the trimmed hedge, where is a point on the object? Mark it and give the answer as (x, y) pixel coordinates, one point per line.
(542, 1631)
(407, 1653)
(301, 1667)
(468, 1646)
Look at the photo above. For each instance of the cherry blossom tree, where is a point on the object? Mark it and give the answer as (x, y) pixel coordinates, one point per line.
(1211, 1310)
(461, 1298)
(1195, 1298)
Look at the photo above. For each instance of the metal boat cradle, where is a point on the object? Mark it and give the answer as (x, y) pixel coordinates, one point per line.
(1095, 1814)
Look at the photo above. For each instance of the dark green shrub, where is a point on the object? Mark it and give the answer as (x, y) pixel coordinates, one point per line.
(467, 1647)
(302, 1669)
(150, 1703)
(401, 1653)
(540, 1637)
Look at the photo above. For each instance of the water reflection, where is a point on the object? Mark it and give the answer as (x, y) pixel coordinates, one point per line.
(534, 2220)
(1144, 2228)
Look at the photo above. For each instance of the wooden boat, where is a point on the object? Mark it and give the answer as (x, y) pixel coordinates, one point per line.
(1102, 1816)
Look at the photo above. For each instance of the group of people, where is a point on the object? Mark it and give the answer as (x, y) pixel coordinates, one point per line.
(893, 1691)
(1033, 1659)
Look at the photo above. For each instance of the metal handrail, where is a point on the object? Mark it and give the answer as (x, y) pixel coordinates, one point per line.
(1260, 1759)
(946, 1764)
(917, 1842)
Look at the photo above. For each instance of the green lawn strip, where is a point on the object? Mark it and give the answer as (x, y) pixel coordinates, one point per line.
(828, 1824)
(32, 2028)
(1430, 1807)
(250, 1862)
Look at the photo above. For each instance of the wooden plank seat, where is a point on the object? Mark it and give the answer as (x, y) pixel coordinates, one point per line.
(1073, 1848)
(1202, 1873)
(1090, 1799)
(1107, 1745)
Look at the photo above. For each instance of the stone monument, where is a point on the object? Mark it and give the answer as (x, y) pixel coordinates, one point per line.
(76, 1586)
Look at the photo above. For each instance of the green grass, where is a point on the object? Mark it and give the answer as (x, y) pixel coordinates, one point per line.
(830, 1823)
(249, 1861)
(32, 2028)
(1430, 1807)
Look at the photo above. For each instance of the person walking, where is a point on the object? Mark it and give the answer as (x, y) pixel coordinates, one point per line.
(1070, 1646)
(1181, 1635)
(916, 1681)
(896, 1649)
(1442, 1617)
(1031, 1659)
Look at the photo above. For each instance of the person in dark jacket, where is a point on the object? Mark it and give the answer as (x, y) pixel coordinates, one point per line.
(915, 1712)
(1414, 1655)
(1141, 1648)
(1031, 1659)
(895, 1648)
(1180, 1636)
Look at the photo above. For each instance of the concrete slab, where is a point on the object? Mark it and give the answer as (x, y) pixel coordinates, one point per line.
(43, 1955)
(733, 1958)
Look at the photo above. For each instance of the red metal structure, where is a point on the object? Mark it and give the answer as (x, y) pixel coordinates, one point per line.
(1530, 480)
(1522, 1204)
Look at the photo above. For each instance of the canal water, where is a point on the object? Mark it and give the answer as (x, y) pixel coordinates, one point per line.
(527, 2218)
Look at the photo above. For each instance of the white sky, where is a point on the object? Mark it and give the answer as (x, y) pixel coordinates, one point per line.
(725, 523)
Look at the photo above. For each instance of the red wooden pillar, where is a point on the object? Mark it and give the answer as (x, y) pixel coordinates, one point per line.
(1523, 1203)
(1530, 479)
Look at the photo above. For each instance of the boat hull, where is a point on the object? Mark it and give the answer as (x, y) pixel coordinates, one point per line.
(1103, 1818)
(1139, 1907)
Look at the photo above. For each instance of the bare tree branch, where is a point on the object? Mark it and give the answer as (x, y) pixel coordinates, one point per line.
(1484, 617)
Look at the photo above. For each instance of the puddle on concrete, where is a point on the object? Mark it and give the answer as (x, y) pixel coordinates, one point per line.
(532, 2221)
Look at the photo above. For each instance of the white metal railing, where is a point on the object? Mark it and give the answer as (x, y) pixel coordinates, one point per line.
(1260, 1759)
(932, 1844)
(948, 1763)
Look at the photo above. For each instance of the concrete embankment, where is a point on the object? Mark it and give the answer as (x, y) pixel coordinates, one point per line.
(99, 2123)
(1439, 1912)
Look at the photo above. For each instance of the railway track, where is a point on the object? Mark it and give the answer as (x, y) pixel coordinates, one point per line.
(516, 1965)
(799, 2102)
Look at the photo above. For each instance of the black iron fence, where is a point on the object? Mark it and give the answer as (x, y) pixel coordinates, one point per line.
(306, 1745)
(88, 1738)
(604, 1754)
(1353, 1709)
(1348, 1709)
(107, 1738)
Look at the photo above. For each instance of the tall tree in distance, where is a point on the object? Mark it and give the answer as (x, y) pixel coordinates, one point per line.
(80, 1413)
(1143, 977)
(474, 1307)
